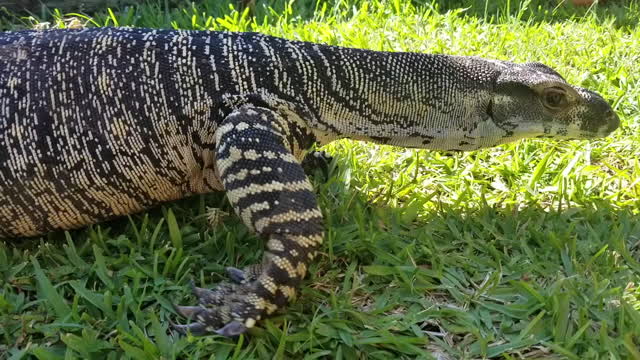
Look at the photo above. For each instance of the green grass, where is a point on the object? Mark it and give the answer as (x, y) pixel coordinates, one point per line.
(526, 251)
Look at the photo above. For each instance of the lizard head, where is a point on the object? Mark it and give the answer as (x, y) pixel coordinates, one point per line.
(533, 100)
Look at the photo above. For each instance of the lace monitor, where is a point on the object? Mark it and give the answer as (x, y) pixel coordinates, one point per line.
(103, 122)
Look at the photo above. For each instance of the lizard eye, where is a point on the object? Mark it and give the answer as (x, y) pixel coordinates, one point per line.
(555, 98)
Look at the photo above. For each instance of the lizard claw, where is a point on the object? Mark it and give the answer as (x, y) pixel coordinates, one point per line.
(205, 296)
(242, 276)
(193, 328)
(224, 308)
(232, 329)
(187, 311)
(236, 275)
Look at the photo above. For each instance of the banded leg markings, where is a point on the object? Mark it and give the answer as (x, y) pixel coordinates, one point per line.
(269, 190)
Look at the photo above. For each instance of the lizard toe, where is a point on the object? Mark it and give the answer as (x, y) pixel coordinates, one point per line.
(187, 311)
(227, 310)
(232, 329)
(217, 296)
(236, 275)
(241, 276)
(206, 319)
(193, 328)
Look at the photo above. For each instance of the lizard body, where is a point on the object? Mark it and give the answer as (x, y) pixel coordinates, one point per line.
(103, 122)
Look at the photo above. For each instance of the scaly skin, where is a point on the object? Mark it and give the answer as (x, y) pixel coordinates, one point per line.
(100, 123)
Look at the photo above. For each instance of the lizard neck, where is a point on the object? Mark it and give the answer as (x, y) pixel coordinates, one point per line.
(407, 99)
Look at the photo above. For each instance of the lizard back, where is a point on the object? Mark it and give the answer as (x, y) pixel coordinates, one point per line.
(100, 123)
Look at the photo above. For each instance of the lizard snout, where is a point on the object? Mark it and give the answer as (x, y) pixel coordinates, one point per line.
(613, 122)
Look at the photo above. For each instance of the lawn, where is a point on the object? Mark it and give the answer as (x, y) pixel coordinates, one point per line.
(530, 250)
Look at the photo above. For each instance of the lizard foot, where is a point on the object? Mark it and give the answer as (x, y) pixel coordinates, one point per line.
(228, 310)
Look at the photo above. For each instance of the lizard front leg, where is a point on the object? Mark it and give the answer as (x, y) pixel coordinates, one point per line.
(269, 190)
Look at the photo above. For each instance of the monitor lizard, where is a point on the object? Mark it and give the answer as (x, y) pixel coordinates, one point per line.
(103, 122)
